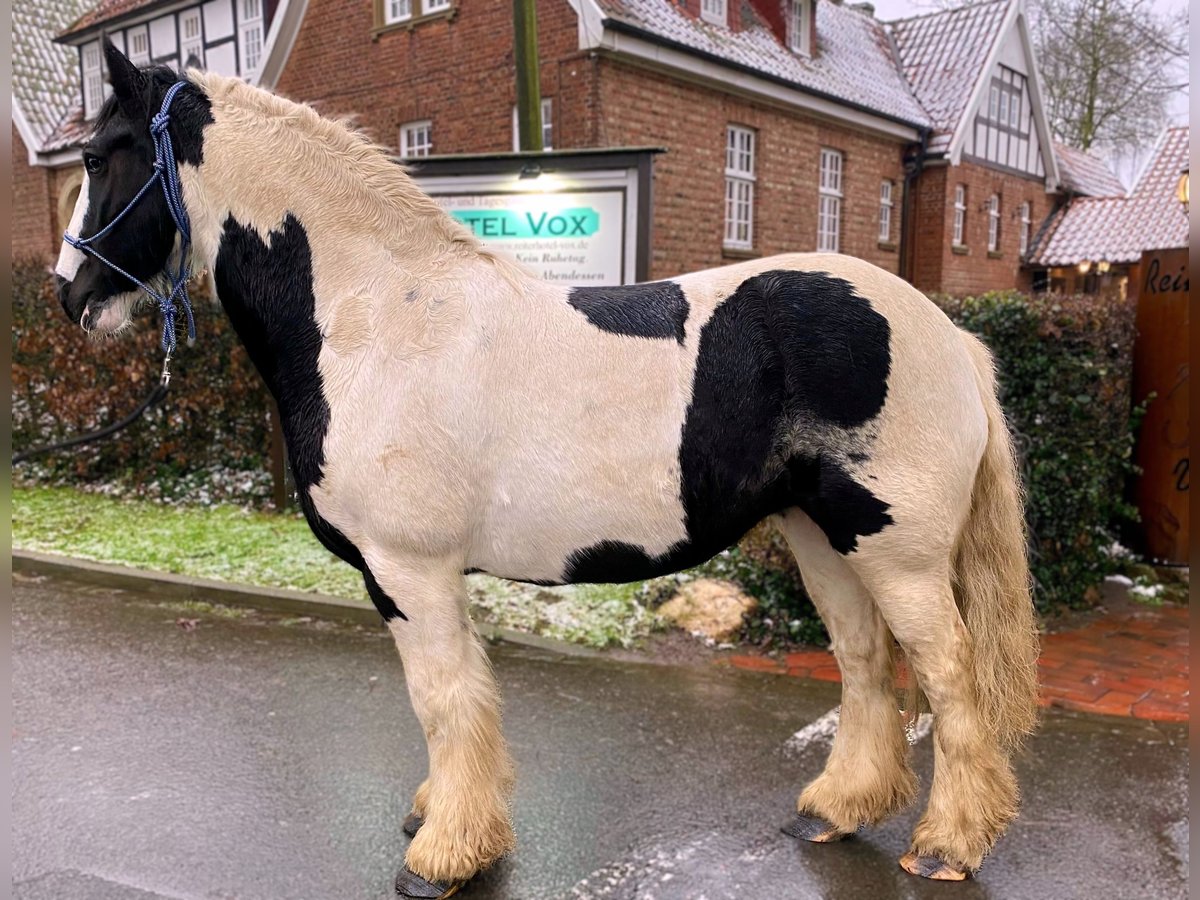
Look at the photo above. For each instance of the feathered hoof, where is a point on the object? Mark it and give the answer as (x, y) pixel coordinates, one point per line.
(931, 867)
(412, 824)
(412, 886)
(812, 828)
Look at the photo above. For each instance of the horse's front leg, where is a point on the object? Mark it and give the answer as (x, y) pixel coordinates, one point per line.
(464, 803)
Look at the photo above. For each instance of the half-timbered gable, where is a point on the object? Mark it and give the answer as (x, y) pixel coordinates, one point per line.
(231, 37)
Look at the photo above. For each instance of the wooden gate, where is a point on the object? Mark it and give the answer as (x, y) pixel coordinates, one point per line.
(1159, 286)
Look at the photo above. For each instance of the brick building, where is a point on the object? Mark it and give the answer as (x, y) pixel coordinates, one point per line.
(920, 145)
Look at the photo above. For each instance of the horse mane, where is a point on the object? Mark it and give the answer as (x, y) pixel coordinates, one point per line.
(396, 201)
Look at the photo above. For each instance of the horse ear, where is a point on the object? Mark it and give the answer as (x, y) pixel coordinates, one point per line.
(128, 82)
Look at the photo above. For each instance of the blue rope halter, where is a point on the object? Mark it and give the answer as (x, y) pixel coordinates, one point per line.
(166, 170)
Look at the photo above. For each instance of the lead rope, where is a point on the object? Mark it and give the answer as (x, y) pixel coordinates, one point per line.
(166, 171)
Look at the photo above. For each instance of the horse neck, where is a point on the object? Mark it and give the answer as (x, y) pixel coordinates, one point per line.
(292, 228)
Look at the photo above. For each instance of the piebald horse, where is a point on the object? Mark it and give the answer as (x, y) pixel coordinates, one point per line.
(446, 412)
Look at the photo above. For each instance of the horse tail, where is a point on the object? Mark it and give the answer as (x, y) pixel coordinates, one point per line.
(991, 576)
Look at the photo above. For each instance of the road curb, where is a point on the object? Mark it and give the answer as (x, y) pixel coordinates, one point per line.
(171, 587)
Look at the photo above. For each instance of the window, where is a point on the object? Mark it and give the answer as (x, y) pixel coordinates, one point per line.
(739, 187)
(191, 38)
(432, 6)
(1014, 110)
(799, 27)
(416, 139)
(547, 126)
(829, 207)
(1003, 107)
(1024, 230)
(713, 11)
(994, 103)
(994, 223)
(139, 46)
(250, 35)
(885, 210)
(93, 79)
(960, 215)
(396, 11)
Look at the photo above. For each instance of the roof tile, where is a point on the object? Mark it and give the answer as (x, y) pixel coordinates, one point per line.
(1120, 229)
(942, 54)
(45, 81)
(854, 61)
(1082, 173)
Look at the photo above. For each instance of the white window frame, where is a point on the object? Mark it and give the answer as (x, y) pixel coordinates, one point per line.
(1014, 109)
(1026, 223)
(432, 6)
(547, 126)
(416, 139)
(800, 27)
(138, 57)
(740, 158)
(887, 201)
(1003, 120)
(93, 79)
(397, 11)
(994, 103)
(829, 200)
(715, 11)
(994, 223)
(251, 34)
(958, 238)
(194, 45)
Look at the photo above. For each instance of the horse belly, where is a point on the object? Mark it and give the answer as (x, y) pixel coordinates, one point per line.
(583, 484)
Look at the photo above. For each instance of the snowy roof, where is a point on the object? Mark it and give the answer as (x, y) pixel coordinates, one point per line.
(942, 55)
(105, 11)
(45, 83)
(854, 63)
(1082, 173)
(1120, 229)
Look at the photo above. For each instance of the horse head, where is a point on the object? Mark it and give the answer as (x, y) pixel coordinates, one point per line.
(122, 228)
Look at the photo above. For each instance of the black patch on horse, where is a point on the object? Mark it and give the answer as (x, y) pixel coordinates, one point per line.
(654, 310)
(267, 291)
(788, 366)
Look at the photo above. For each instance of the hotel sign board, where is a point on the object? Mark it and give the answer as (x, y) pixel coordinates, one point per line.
(575, 218)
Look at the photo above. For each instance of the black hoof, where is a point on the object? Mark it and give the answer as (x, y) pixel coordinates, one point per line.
(412, 824)
(412, 886)
(812, 828)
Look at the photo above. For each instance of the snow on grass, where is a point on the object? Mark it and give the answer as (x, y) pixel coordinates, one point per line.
(230, 543)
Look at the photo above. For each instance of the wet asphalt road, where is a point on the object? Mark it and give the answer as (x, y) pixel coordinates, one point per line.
(251, 758)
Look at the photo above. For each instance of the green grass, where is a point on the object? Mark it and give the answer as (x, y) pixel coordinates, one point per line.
(222, 542)
(229, 543)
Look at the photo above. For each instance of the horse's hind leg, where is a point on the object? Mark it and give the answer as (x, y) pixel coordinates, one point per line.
(867, 776)
(974, 793)
(464, 803)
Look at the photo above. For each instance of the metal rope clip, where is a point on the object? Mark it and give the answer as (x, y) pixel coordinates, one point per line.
(165, 378)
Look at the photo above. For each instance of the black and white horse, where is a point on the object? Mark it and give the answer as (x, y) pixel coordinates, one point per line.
(446, 412)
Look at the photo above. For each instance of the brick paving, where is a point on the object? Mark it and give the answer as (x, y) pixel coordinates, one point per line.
(1122, 664)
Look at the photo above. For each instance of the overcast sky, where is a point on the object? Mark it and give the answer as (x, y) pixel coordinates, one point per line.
(1128, 168)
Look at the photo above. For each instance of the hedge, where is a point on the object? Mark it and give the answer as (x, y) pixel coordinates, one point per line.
(1064, 362)
(209, 439)
(1065, 366)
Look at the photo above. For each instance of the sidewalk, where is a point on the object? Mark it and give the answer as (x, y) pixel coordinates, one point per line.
(1131, 663)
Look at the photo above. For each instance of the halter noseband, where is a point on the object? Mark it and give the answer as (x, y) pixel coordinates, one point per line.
(166, 170)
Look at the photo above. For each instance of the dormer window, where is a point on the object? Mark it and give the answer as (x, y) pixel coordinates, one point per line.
(714, 11)
(800, 27)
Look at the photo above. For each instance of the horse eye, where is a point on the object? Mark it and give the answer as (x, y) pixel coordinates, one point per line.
(94, 164)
